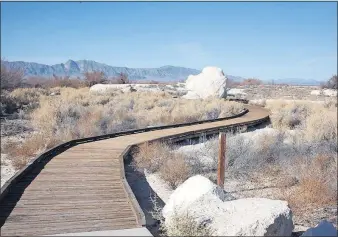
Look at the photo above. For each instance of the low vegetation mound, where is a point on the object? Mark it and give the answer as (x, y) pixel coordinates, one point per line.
(62, 114)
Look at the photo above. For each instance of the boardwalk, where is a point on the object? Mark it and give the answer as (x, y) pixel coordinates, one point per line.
(84, 189)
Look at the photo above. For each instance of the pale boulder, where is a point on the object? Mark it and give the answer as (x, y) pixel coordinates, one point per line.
(316, 92)
(324, 92)
(227, 217)
(330, 92)
(211, 82)
(190, 191)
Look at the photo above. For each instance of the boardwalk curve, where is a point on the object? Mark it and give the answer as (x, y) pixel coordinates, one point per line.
(82, 187)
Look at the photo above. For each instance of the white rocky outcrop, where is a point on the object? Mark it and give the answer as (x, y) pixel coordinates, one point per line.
(226, 217)
(316, 92)
(102, 88)
(237, 92)
(330, 92)
(324, 228)
(324, 92)
(210, 82)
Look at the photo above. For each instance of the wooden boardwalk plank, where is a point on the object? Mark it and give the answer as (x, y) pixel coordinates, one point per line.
(82, 189)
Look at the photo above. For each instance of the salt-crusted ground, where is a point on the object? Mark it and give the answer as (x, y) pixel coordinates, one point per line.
(12, 131)
(260, 186)
(7, 170)
(250, 92)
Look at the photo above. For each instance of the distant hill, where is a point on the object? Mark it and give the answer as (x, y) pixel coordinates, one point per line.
(77, 68)
(166, 73)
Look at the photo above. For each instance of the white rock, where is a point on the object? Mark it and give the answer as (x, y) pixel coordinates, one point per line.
(101, 88)
(237, 93)
(324, 228)
(254, 217)
(330, 92)
(210, 82)
(190, 191)
(207, 204)
(316, 92)
(325, 92)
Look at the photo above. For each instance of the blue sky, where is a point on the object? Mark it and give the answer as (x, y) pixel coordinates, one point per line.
(267, 40)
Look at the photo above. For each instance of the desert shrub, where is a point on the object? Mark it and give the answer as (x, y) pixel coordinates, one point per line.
(25, 99)
(180, 224)
(332, 83)
(28, 98)
(290, 115)
(317, 183)
(174, 170)
(11, 77)
(186, 225)
(331, 103)
(232, 83)
(122, 78)
(150, 156)
(65, 82)
(95, 77)
(8, 104)
(20, 154)
(157, 157)
(55, 81)
(251, 81)
(322, 126)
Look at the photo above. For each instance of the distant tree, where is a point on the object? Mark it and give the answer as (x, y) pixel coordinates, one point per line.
(36, 81)
(11, 77)
(252, 81)
(332, 83)
(122, 78)
(95, 77)
(232, 83)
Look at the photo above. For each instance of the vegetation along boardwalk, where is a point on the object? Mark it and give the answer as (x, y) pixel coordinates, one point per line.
(84, 188)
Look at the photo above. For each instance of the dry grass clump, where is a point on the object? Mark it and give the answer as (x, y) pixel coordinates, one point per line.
(158, 157)
(317, 184)
(174, 170)
(28, 98)
(316, 122)
(21, 153)
(321, 125)
(288, 115)
(186, 225)
(24, 99)
(7, 103)
(150, 156)
(180, 224)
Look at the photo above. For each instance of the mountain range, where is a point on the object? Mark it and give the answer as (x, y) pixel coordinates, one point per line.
(78, 68)
(73, 68)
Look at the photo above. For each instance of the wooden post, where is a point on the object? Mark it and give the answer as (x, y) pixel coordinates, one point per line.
(221, 160)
